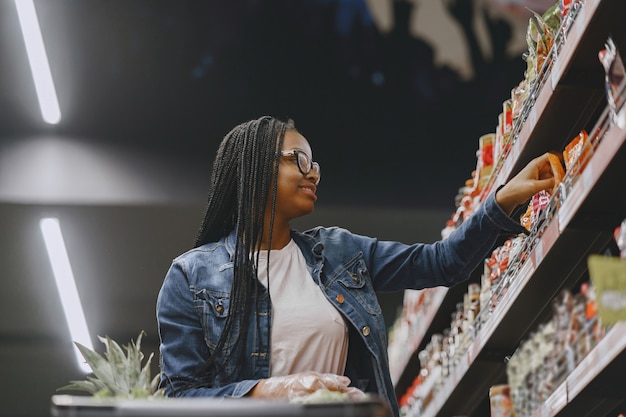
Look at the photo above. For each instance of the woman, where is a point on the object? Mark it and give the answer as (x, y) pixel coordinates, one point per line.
(232, 326)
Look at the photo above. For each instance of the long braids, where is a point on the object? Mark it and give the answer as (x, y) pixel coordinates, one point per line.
(244, 175)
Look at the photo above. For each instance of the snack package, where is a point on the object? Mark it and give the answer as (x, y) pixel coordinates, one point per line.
(540, 202)
(577, 153)
(562, 316)
(614, 76)
(566, 6)
(518, 96)
(557, 170)
(507, 111)
(526, 218)
(544, 33)
(498, 142)
(537, 205)
(485, 161)
(500, 401)
(540, 35)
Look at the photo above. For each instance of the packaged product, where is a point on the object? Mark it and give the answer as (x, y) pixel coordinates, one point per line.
(563, 359)
(507, 111)
(543, 33)
(500, 401)
(540, 35)
(485, 160)
(518, 95)
(577, 153)
(614, 76)
(498, 141)
(557, 170)
(566, 6)
(526, 218)
(537, 205)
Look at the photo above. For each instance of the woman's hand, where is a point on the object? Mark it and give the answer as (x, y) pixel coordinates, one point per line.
(301, 384)
(534, 177)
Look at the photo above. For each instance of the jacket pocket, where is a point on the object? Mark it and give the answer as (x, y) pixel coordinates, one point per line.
(355, 278)
(212, 308)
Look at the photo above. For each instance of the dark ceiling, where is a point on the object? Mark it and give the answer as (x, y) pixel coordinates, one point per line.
(147, 89)
(175, 76)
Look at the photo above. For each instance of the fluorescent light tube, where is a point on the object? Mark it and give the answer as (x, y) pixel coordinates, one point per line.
(60, 262)
(38, 60)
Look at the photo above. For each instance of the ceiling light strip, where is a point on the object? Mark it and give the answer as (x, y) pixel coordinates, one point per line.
(38, 60)
(66, 285)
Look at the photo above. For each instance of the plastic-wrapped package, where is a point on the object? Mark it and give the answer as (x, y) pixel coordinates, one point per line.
(500, 401)
(533, 212)
(613, 79)
(577, 153)
(567, 8)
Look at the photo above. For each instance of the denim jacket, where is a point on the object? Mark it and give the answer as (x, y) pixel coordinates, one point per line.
(194, 300)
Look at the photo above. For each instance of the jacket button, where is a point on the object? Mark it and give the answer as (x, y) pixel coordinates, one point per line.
(340, 298)
(219, 308)
(365, 330)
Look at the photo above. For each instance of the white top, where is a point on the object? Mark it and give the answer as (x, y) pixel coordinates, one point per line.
(308, 333)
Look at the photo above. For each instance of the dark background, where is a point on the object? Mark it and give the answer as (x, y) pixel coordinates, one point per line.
(147, 89)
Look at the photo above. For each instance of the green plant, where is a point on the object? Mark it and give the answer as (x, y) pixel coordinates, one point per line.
(117, 374)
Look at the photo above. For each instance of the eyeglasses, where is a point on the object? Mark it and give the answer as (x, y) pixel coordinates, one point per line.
(305, 165)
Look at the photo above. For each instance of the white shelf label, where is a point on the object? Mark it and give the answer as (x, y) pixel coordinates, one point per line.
(555, 75)
(587, 175)
(539, 253)
(532, 119)
(516, 150)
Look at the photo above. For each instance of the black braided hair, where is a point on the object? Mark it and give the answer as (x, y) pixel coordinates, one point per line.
(244, 177)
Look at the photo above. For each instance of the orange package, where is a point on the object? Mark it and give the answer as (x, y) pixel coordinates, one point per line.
(577, 153)
(557, 169)
(526, 218)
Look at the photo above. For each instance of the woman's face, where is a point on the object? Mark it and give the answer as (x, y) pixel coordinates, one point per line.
(295, 195)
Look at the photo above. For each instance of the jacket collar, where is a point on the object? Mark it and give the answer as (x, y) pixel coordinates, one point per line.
(312, 249)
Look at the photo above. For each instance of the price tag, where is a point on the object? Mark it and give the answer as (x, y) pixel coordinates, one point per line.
(507, 168)
(588, 177)
(580, 25)
(551, 234)
(555, 75)
(556, 401)
(516, 150)
(602, 351)
(532, 119)
(539, 252)
(474, 348)
(596, 3)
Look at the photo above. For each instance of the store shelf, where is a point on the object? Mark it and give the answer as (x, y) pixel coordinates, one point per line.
(407, 363)
(571, 98)
(594, 202)
(436, 318)
(528, 297)
(596, 385)
(572, 90)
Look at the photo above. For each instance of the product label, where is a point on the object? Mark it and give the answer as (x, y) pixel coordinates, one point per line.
(608, 275)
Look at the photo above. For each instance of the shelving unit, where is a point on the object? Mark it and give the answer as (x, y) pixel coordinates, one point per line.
(569, 98)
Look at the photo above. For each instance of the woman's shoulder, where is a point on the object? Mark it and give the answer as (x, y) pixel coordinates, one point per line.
(334, 235)
(325, 232)
(206, 266)
(216, 251)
